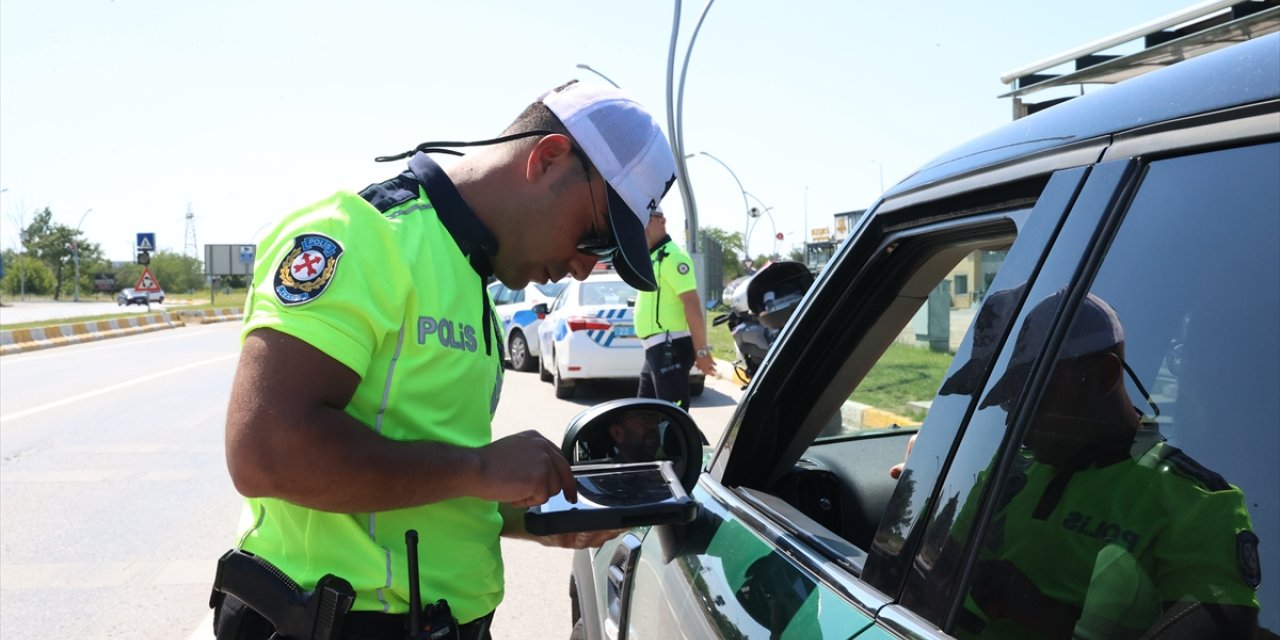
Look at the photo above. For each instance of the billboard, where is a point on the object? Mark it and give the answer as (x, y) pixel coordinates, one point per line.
(229, 259)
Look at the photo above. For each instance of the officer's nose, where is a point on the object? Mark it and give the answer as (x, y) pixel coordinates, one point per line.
(581, 265)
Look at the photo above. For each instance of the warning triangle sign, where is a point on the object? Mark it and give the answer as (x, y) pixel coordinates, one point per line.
(147, 282)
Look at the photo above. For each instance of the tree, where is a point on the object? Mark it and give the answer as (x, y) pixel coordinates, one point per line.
(797, 254)
(25, 274)
(174, 271)
(55, 246)
(731, 247)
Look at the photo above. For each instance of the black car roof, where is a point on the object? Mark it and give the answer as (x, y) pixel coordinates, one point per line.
(1241, 74)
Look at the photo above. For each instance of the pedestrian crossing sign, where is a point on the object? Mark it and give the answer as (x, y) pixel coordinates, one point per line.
(147, 282)
(146, 242)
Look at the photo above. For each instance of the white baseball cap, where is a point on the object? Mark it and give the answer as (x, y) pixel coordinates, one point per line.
(626, 146)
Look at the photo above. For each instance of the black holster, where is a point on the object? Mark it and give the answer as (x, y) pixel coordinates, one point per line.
(295, 614)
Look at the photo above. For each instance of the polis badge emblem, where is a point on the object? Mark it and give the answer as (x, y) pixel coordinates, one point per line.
(306, 271)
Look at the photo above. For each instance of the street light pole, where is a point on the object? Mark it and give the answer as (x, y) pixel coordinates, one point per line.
(746, 208)
(675, 121)
(76, 254)
(606, 78)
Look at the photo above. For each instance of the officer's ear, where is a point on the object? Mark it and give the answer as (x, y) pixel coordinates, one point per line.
(1110, 373)
(547, 153)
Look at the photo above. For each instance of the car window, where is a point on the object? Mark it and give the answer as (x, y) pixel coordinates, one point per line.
(606, 292)
(898, 390)
(517, 296)
(550, 289)
(561, 299)
(1146, 475)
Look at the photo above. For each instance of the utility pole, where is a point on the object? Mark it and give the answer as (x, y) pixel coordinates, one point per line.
(75, 252)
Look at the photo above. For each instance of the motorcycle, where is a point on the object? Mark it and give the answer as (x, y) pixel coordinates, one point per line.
(759, 306)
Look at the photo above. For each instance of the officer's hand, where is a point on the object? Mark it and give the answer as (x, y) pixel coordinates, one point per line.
(896, 470)
(580, 540)
(525, 470)
(706, 364)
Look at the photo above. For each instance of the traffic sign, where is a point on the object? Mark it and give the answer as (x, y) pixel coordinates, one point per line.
(146, 242)
(147, 282)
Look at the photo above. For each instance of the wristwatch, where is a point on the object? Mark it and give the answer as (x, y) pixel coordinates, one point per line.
(705, 351)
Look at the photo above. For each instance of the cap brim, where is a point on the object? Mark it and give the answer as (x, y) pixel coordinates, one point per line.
(1008, 387)
(631, 261)
(964, 380)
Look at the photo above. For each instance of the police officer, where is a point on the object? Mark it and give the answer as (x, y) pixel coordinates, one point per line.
(370, 369)
(669, 321)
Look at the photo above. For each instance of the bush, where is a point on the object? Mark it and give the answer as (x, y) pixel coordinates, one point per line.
(26, 274)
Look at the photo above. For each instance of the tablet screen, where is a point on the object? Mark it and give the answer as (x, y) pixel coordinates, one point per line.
(623, 488)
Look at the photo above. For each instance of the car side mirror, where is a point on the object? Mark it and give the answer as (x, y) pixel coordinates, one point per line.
(541, 310)
(636, 430)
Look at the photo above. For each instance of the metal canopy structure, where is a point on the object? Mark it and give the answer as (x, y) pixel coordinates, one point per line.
(1165, 41)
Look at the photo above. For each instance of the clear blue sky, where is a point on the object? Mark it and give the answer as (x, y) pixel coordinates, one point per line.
(247, 110)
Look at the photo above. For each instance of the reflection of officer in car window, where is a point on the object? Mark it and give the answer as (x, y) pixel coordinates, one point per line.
(1102, 529)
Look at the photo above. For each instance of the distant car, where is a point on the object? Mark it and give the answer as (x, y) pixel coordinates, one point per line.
(589, 334)
(519, 322)
(133, 296)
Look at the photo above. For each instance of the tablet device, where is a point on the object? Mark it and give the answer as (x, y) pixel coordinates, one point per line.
(615, 496)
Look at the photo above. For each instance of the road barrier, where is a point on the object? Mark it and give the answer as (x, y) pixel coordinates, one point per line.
(21, 340)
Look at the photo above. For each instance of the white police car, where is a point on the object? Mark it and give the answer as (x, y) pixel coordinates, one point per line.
(519, 322)
(588, 333)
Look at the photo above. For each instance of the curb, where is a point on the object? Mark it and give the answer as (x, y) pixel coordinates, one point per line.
(207, 316)
(32, 339)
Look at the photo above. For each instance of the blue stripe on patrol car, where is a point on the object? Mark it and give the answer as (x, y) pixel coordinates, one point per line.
(524, 317)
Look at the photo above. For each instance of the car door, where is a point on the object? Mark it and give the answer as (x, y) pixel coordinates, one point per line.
(1186, 545)
(798, 487)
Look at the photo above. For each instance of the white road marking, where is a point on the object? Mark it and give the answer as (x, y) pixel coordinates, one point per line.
(113, 388)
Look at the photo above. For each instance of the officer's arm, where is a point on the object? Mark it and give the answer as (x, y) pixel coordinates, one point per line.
(288, 437)
(697, 329)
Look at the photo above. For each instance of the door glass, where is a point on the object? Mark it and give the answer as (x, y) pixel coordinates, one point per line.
(898, 390)
(1144, 485)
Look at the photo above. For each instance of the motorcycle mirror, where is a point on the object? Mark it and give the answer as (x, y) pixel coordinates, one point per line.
(636, 430)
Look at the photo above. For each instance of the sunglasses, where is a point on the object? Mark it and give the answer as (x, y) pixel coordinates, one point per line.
(597, 244)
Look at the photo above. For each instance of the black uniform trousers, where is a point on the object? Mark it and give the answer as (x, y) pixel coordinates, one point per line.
(665, 374)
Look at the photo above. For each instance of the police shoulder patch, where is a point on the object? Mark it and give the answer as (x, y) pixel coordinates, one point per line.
(1247, 558)
(683, 268)
(308, 269)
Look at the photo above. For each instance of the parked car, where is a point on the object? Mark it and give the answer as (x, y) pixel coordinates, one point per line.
(588, 333)
(519, 322)
(130, 295)
(1095, 445)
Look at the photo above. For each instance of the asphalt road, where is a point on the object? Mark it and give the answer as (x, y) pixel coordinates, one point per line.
(115, 502)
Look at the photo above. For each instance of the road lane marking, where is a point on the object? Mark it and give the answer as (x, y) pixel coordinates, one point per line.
(113, 388)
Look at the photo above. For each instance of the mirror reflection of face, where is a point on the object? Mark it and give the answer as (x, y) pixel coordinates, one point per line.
(636, 436)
